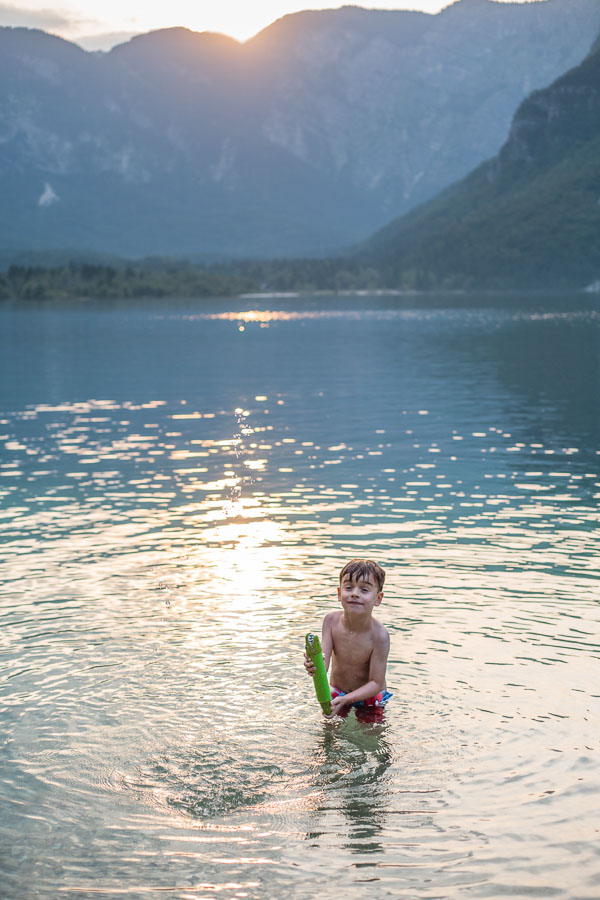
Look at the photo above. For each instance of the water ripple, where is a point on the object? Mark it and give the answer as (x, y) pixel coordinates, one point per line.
(171, 530)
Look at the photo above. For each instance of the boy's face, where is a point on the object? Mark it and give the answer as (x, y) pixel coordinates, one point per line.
(359, 595)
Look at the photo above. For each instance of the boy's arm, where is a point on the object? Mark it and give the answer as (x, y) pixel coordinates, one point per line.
(327, 638)
(376, 682)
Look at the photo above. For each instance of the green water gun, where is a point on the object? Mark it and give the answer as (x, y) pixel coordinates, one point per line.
(314, 653)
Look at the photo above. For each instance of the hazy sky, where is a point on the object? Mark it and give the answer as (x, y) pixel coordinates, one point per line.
(239, 18)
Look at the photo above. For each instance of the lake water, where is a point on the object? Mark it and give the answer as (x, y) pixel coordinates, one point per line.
(181, 483)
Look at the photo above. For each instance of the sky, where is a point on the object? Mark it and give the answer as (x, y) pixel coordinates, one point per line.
(100, 23)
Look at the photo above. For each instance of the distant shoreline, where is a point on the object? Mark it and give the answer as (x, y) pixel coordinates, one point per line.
(425, 296)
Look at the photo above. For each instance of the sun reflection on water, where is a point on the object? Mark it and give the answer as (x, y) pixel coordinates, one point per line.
(246, 551)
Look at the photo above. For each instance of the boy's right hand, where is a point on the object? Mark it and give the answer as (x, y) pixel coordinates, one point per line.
(309, 666)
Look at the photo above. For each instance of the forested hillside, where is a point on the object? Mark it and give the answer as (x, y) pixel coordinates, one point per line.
(529, 217)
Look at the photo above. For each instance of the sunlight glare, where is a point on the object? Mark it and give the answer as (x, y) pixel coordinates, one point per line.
(76, 19)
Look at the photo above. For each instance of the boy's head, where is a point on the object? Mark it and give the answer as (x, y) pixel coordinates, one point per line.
(363, 570)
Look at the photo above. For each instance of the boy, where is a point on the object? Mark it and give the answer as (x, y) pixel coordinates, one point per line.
(358, 642)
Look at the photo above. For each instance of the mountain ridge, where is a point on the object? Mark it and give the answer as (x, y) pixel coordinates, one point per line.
(304, 139)
(529, 217)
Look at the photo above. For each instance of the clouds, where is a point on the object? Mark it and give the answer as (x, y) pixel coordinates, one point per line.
(47, 19)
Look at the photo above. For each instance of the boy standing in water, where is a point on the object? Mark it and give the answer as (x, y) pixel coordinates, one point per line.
(357, 643)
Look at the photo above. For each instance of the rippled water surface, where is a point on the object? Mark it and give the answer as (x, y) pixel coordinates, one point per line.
(181, 483)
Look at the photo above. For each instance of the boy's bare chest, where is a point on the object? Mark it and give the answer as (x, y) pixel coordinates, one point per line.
(352, 645)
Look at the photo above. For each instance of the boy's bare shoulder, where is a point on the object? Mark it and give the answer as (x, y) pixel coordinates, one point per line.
(380, 634)
(332, 618)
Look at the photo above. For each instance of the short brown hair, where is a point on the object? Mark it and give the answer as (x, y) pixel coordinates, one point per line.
(363, 568)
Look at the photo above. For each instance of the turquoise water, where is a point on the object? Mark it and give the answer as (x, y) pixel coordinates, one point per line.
(181, 483)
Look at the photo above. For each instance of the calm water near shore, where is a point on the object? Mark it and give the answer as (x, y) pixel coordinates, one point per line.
(181, 482)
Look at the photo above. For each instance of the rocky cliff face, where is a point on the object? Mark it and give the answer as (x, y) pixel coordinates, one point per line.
(527, 218)
(303, 140)
(552, 123)
(393, 104)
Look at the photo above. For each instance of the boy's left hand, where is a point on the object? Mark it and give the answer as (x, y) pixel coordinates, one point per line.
(337, 704)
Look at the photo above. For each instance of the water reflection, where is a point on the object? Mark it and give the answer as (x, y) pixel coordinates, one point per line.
(353, 759)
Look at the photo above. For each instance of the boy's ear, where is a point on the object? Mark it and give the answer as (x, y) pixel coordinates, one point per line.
(379, 598)
(339, 592)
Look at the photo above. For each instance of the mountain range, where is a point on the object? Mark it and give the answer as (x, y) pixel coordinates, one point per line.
(527, 218)
(305, 139)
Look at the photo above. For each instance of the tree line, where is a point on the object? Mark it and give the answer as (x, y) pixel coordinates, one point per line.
(111, 281)
(175, 279)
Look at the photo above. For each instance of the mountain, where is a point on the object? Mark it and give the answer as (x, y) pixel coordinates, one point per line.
(528, 218)
(304, 139)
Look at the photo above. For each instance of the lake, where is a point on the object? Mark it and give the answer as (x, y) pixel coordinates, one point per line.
(181, 482)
